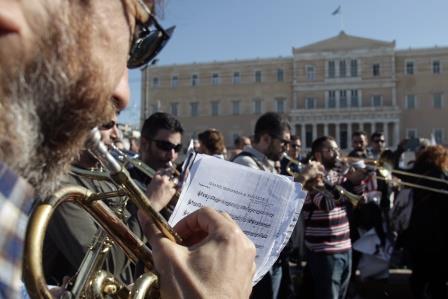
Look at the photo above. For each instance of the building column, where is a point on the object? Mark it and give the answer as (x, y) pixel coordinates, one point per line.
(372, 128)
(314, 131)
(361, 126)
(337, 133)
(326, 129)
(386, 133)
(349, 134)
(303, 135)
(396, 133)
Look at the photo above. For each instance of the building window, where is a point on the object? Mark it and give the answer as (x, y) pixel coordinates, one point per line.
(236, 78)
(257, 106)
(332, 99)
(342, 69)
(438, 135)
(354, 68)
(376, 69)
(437, 101)
(377, 101)
(236, 107)
(280, 75)
(155, 82)
(354, 98)
(194, 108)
(214, 108)
(411, 133)
(194, 80)
(410, 102)
(280, 105)
(174, 81)
(310, 103)
(215, 78)
(331, 69)
(409, 68)
(343, 102)
(258, 76)
(436, 67)
(175, 109)
(310, 72)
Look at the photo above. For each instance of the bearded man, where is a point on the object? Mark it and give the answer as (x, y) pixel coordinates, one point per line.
(63, 72)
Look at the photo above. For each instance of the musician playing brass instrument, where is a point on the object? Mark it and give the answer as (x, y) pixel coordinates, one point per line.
(327, 232)
(72, 230)
(62, 64)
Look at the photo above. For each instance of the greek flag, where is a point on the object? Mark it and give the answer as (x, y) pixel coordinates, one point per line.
(337, 11)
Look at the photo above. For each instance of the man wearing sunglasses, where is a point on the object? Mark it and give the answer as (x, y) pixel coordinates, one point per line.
(377, 144)
(160, 143)
(62, 69)
(271, 139)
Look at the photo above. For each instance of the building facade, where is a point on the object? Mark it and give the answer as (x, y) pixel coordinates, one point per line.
(332, 87)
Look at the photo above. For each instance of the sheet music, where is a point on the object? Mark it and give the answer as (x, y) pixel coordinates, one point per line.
(265, 205)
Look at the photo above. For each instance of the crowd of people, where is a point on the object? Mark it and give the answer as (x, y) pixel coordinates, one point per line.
(63, 72)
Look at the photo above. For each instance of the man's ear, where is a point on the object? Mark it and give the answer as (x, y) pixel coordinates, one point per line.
(265, 139)
(144, 143)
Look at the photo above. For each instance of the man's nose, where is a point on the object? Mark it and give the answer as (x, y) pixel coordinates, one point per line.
(121, 93)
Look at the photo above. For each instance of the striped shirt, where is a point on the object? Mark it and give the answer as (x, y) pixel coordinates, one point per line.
(15, 204)
(326, 231)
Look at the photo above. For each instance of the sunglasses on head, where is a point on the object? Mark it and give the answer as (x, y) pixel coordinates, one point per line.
(167, 146)
(107, 126)
(147, 41)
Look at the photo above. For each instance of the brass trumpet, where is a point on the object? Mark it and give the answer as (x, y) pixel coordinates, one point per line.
(101, 283)
(328, 189)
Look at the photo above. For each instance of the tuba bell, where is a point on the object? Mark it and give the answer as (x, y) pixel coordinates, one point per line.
(90, 281)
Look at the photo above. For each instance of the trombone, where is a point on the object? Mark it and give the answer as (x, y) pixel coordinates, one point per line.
(386, 171)
(102, 283)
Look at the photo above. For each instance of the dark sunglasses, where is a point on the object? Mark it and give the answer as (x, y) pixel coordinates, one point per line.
(107, 126)
(147, 41)
(167, 146)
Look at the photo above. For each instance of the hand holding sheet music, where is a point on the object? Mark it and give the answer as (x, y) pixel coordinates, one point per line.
(265, 205)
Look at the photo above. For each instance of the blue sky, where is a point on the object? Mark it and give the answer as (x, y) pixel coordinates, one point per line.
(209, 30)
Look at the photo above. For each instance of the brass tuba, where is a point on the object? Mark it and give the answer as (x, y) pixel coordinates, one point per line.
(90, 282)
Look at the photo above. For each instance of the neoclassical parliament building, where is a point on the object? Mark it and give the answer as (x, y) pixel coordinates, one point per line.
(332, 87)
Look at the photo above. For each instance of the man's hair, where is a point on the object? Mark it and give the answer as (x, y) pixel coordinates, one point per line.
(158, 121)
(271, 123)
(319, 143)
(294, 137)
(359, 134)
(213, 140)
(376, 135)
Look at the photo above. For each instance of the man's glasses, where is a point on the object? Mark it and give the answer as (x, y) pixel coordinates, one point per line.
(283, 142)
(107, 126)
(167, 146)
(147, 42)
(334, 150)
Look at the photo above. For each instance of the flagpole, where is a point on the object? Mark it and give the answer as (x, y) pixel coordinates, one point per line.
(341, 20)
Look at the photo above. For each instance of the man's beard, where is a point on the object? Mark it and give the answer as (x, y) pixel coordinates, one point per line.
(329, 163)
(272, 153)
(50, 105)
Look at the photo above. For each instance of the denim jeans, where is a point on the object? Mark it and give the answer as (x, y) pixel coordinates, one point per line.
(330, 274)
